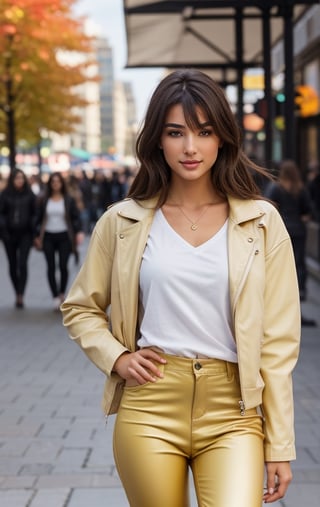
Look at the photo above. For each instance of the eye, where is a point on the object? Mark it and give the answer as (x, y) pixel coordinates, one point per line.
(174, 133)
(205, 132)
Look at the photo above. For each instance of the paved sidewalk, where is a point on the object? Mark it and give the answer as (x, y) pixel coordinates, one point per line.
(55, 449)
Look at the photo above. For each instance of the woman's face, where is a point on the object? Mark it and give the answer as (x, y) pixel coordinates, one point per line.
(56, 184)
(189, 153)
(18, 181)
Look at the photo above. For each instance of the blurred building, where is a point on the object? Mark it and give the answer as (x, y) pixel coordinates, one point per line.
(124, 119)
(106, 91)
(108, 124)
(86, 137)
(306, 49)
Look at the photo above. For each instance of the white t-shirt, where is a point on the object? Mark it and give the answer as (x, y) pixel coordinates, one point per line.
(184, 294)
(56, 221)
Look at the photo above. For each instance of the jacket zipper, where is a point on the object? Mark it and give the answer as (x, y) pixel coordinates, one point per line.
(242, 407)
(240, 287)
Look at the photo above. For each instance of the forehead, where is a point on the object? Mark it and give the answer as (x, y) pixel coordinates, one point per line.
(176, 114)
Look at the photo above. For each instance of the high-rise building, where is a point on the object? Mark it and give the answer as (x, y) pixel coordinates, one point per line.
(104, 57)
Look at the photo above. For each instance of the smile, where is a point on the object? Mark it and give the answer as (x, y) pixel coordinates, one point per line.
(190, 164)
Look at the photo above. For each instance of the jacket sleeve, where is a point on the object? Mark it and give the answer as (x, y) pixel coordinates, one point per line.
(85, 308)
(39, 215)
(3, 215)
(33, 214)
(280, 347)
(74, 215)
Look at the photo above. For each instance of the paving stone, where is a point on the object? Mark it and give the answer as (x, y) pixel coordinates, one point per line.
(296, 496)
(71, 459)
(56, 428)
(110, 497)
(43, 450)
(50, 498)
(86, 479)
(14, 482)
(36, 469)
(15, 498)
(20, 430)
(14, 447)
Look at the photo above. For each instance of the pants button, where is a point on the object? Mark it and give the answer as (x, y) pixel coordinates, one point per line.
(198, 366)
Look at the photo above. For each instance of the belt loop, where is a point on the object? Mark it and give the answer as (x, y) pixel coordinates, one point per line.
(230, 371)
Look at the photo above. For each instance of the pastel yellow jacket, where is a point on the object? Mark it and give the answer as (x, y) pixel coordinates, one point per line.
(264, 300)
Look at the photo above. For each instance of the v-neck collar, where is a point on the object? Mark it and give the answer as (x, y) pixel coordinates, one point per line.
(182, 239)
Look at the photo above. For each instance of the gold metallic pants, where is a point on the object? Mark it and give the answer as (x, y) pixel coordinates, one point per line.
(191, 417)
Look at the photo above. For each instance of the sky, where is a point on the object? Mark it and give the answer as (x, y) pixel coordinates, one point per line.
(109, 18)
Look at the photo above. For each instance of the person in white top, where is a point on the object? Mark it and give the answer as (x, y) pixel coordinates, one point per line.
(205, 328)
(59, 231)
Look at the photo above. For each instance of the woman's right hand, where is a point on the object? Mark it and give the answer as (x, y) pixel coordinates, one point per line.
(37, 243)
(139, 366)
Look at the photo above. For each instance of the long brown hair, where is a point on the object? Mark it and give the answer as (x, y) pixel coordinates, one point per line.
(232, 173)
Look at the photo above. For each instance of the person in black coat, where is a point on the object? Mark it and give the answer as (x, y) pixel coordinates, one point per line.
(294, 204)
(17, 221)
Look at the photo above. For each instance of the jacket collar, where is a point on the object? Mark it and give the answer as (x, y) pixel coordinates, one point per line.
(136, 210)
(241, 210)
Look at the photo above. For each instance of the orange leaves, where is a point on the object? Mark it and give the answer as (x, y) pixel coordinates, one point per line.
(40, 46)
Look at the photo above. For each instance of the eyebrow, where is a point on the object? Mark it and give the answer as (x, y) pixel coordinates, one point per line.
(178, 126)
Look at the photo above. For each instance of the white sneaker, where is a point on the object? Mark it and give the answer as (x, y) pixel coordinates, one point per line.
(56, 304)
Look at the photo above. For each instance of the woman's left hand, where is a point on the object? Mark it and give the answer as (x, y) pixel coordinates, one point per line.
(79, 238)
(279, 476)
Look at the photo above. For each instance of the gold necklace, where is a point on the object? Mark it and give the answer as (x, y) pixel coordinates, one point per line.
(194, 223)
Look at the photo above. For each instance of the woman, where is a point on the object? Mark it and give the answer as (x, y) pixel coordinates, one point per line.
(294, 205)
(58, 232)
(17, 220)
(204, 313)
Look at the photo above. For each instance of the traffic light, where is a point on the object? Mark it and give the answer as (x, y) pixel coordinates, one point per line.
(279, 102)
(306, 100)
(261, 106)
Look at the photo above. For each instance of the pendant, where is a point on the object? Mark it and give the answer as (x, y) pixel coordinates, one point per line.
(194, 227)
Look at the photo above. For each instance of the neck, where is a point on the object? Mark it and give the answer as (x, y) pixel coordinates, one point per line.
(193, 196)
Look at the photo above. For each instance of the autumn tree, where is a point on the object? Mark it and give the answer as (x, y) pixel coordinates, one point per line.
(45, 55)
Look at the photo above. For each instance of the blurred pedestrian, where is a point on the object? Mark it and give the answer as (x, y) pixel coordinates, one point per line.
(101, 195)
(73, 188)
(85, 186)
(36, 184)
(17, 221)
(313, 185)
(118, 187)
(294, 205)
(205, 324)
(59, 233)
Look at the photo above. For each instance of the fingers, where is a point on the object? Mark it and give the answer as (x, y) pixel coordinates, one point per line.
(140, 365)
(279, 477)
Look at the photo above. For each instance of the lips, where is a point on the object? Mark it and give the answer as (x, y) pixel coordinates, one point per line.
(190, 164)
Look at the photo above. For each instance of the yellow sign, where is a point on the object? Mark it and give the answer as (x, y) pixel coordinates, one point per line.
(307, 100)
(253, 82)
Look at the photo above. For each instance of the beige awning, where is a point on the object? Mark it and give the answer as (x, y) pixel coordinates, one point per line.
(200, 33)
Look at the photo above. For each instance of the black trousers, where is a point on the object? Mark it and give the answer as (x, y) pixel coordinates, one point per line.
(17, 247)
(57, 244)
(299, 250)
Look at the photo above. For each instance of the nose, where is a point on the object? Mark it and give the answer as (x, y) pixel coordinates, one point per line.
(189, 144)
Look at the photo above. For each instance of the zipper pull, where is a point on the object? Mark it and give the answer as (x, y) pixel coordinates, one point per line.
(242, 407)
